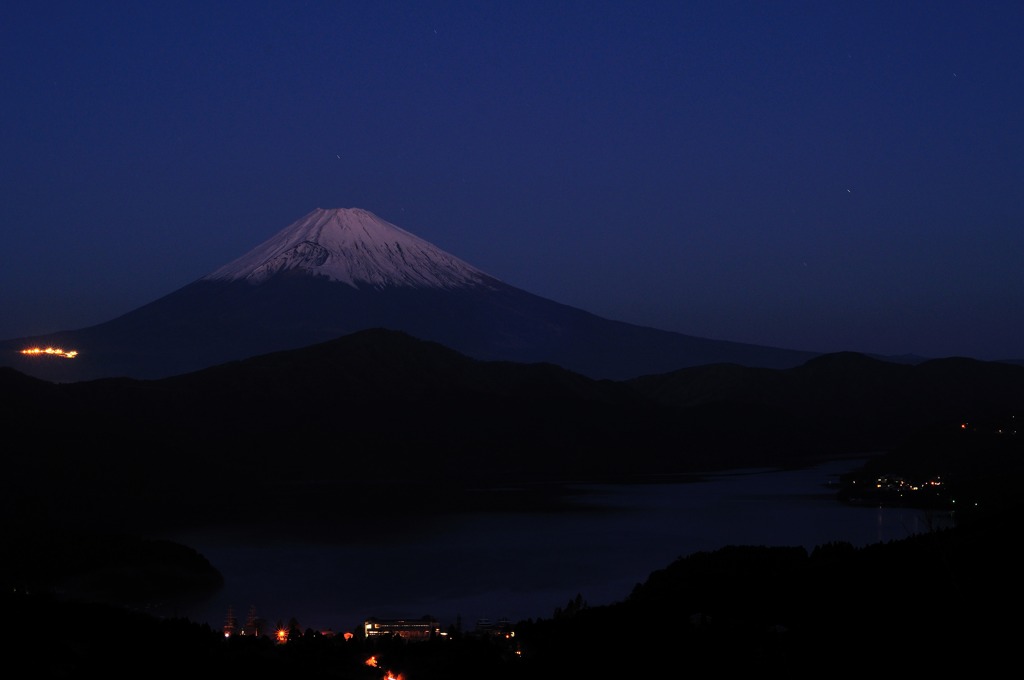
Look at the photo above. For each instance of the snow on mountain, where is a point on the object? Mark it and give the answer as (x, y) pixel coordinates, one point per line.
(336, 272)
(352, 246)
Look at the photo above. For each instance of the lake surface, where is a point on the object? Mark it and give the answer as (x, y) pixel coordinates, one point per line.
(525, 565)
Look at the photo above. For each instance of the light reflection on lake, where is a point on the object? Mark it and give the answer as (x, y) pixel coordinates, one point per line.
(524, 565)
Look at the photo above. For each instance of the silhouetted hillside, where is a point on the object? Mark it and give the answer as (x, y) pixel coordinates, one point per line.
(839, 402)
(919, 605)
(381, 410)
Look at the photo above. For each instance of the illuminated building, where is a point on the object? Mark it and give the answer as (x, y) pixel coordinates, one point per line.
(409, 629)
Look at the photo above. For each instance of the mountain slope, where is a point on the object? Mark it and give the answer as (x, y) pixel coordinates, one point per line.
(355, 247)
(358, 417)
(380, 414)
(335, 272)
(865, 403)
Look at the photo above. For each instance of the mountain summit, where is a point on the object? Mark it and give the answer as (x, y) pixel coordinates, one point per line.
(351, 246)
(335, 272)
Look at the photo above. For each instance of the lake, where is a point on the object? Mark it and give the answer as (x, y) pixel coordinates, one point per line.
(525, 564)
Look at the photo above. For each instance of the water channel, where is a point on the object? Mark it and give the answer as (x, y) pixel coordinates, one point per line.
(462, 568)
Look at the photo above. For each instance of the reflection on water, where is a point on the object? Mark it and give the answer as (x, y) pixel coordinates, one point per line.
(524, 565)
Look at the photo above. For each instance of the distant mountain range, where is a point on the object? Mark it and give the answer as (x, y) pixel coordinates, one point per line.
(380, 414)
(335, 272)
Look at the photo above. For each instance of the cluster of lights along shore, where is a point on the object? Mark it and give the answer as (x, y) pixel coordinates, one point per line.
(51, 351)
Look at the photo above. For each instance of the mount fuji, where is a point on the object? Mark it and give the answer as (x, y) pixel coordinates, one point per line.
(334, 272)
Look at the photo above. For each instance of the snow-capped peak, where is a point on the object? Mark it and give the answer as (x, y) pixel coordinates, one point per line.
(352, 246)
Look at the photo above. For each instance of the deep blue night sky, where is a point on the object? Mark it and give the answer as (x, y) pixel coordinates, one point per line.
(813, 175)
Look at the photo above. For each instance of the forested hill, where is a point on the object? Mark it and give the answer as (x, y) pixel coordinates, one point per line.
(380, 409)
